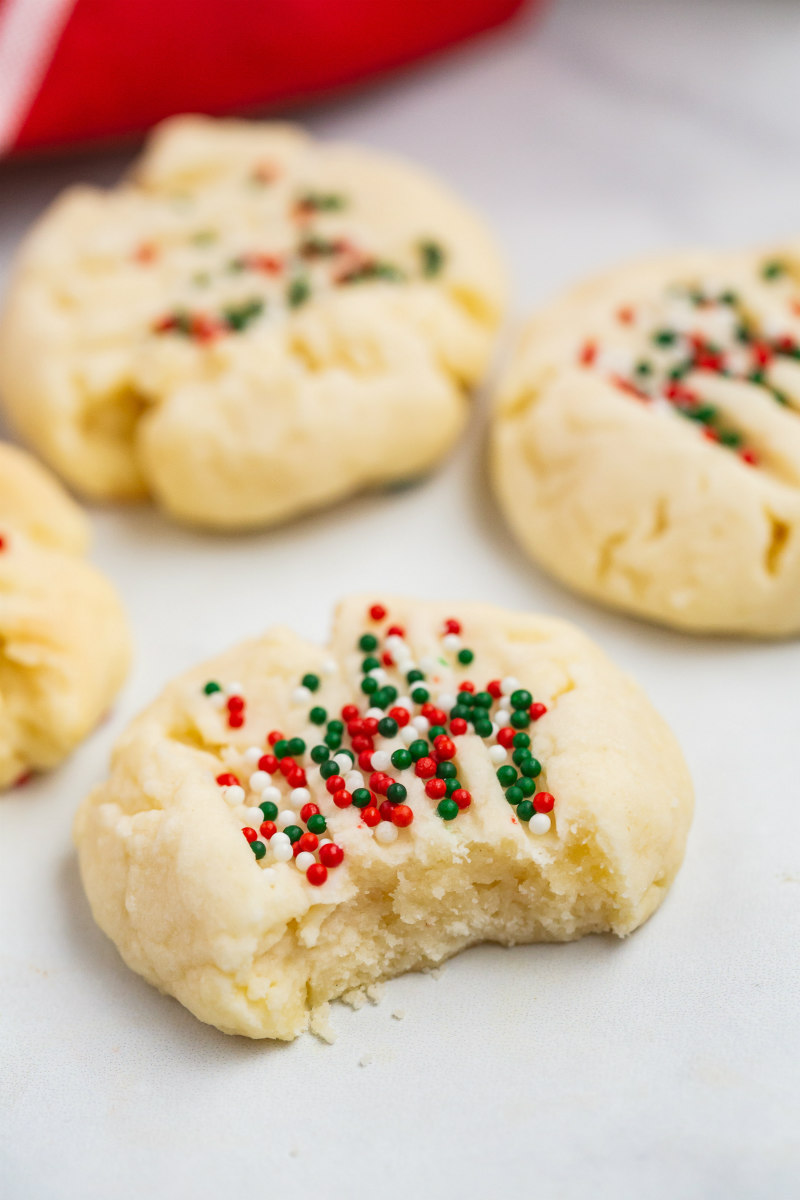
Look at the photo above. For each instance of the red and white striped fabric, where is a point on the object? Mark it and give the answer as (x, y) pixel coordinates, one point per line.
(75, 71)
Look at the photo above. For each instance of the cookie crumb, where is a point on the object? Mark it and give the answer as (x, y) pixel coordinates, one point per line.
(319, 1023)
(398, 1014)
(365, 1060)
(356, 998)
(375, 992)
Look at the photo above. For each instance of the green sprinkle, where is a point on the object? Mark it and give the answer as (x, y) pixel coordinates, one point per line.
(452, 785)
(334, 740)
(402, 760)
(664, 337)
(293, 832)
(385, 697)
(773, 269)
(362, 797)
(322, 201)
(298, 291)
(387, 727)
(414, 676)
(506, 776)
(522, 739)
(211, 687)
(432, 257)
(447, 809)
(644, 367)
(525, 810)
(281, 748)
(420, 695)
(526, 785)
(483, 700)
(296, 747)
(418, 749)
(258, 848)
(514, 795)
(461, 711)
(311, 682)
(465, 657)
(368, 642)
(369, 685)
(269, 810)
(521, 698)
(731, 438)
(238, 317)
(520, 756)
(446, 770)
(317, 823)
(320, 754)
(520, 719)
(370, 663)
(484, 727)
(318, 716)
(396, 792)
(329, 769)
(534, 767)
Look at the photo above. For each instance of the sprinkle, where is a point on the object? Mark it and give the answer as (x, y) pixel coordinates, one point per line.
(386, 833)
(539, 823)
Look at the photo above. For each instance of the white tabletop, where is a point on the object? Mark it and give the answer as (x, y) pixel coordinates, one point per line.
(664, 1066)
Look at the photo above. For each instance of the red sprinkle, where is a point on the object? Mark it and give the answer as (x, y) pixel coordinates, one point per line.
(425, 767)
(316, 874)
(543, 802)
(308, 810)
(370, 816)
(462, 797)
(350, 713)
(342, 798)
(377, 612)
(334, 783)
(435, 788)
(227, 779)
(451, 625)
(402, 815)
(458, 726)
(331, 855)
(236, 720)
(386, 809)
(309, 841)
(505, 736)
(588, 354)
(536, 710)
(268, 763)
(267, 829)
(250, 834)
(395, 631)
(274, 736)
(401, 715)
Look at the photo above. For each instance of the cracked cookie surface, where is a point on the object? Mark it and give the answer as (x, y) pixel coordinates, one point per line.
(64, 644)
(287, 823)
(254, 325)
(646, 440)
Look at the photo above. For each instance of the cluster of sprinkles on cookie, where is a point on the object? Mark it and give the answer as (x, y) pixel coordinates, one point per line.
(396, 737)
(707, 330)
(317, 260)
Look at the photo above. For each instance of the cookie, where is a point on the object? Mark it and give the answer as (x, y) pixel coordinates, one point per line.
(287, 823)
(254, 325)
(64, 645)
(646, 441)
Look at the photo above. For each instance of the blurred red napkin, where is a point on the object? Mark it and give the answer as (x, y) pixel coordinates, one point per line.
(73, 71)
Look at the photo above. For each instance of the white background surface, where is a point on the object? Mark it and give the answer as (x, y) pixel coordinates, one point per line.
(665, 1066)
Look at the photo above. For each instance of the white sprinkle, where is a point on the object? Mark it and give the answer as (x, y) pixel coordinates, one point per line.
(428, 663)
(325, 842)
(281, 847)
(268, 872)
(353, 780)
(502, 718)
(539, 823)
(233, 793)
(299, 796)
(446, 700)
(252, 754)
(509, 685)
(253, 816)
(271, 795)
(421, 723)
(329, 667)
(345, 759)
(301, 695)
(498, 755)
(451, 641)
(385, 833)
(404, 702)
(304, 860)
(378, 674)
(287, 817)
(395, 644)
(409, 734)
(259, 780)
(381, 761)
(217, 699)
(377, 713)
(234, 689)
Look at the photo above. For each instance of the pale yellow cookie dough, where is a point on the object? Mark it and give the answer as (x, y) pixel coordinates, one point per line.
(601, 452)
(254, 325)
(64, 645)
(251, 945)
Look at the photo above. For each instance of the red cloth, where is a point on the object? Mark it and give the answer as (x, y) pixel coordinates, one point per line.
(79, 70)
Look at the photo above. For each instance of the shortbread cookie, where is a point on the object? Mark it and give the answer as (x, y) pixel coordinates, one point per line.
(288, 823)
(646, 444)
(64, 644)
(254, 325)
